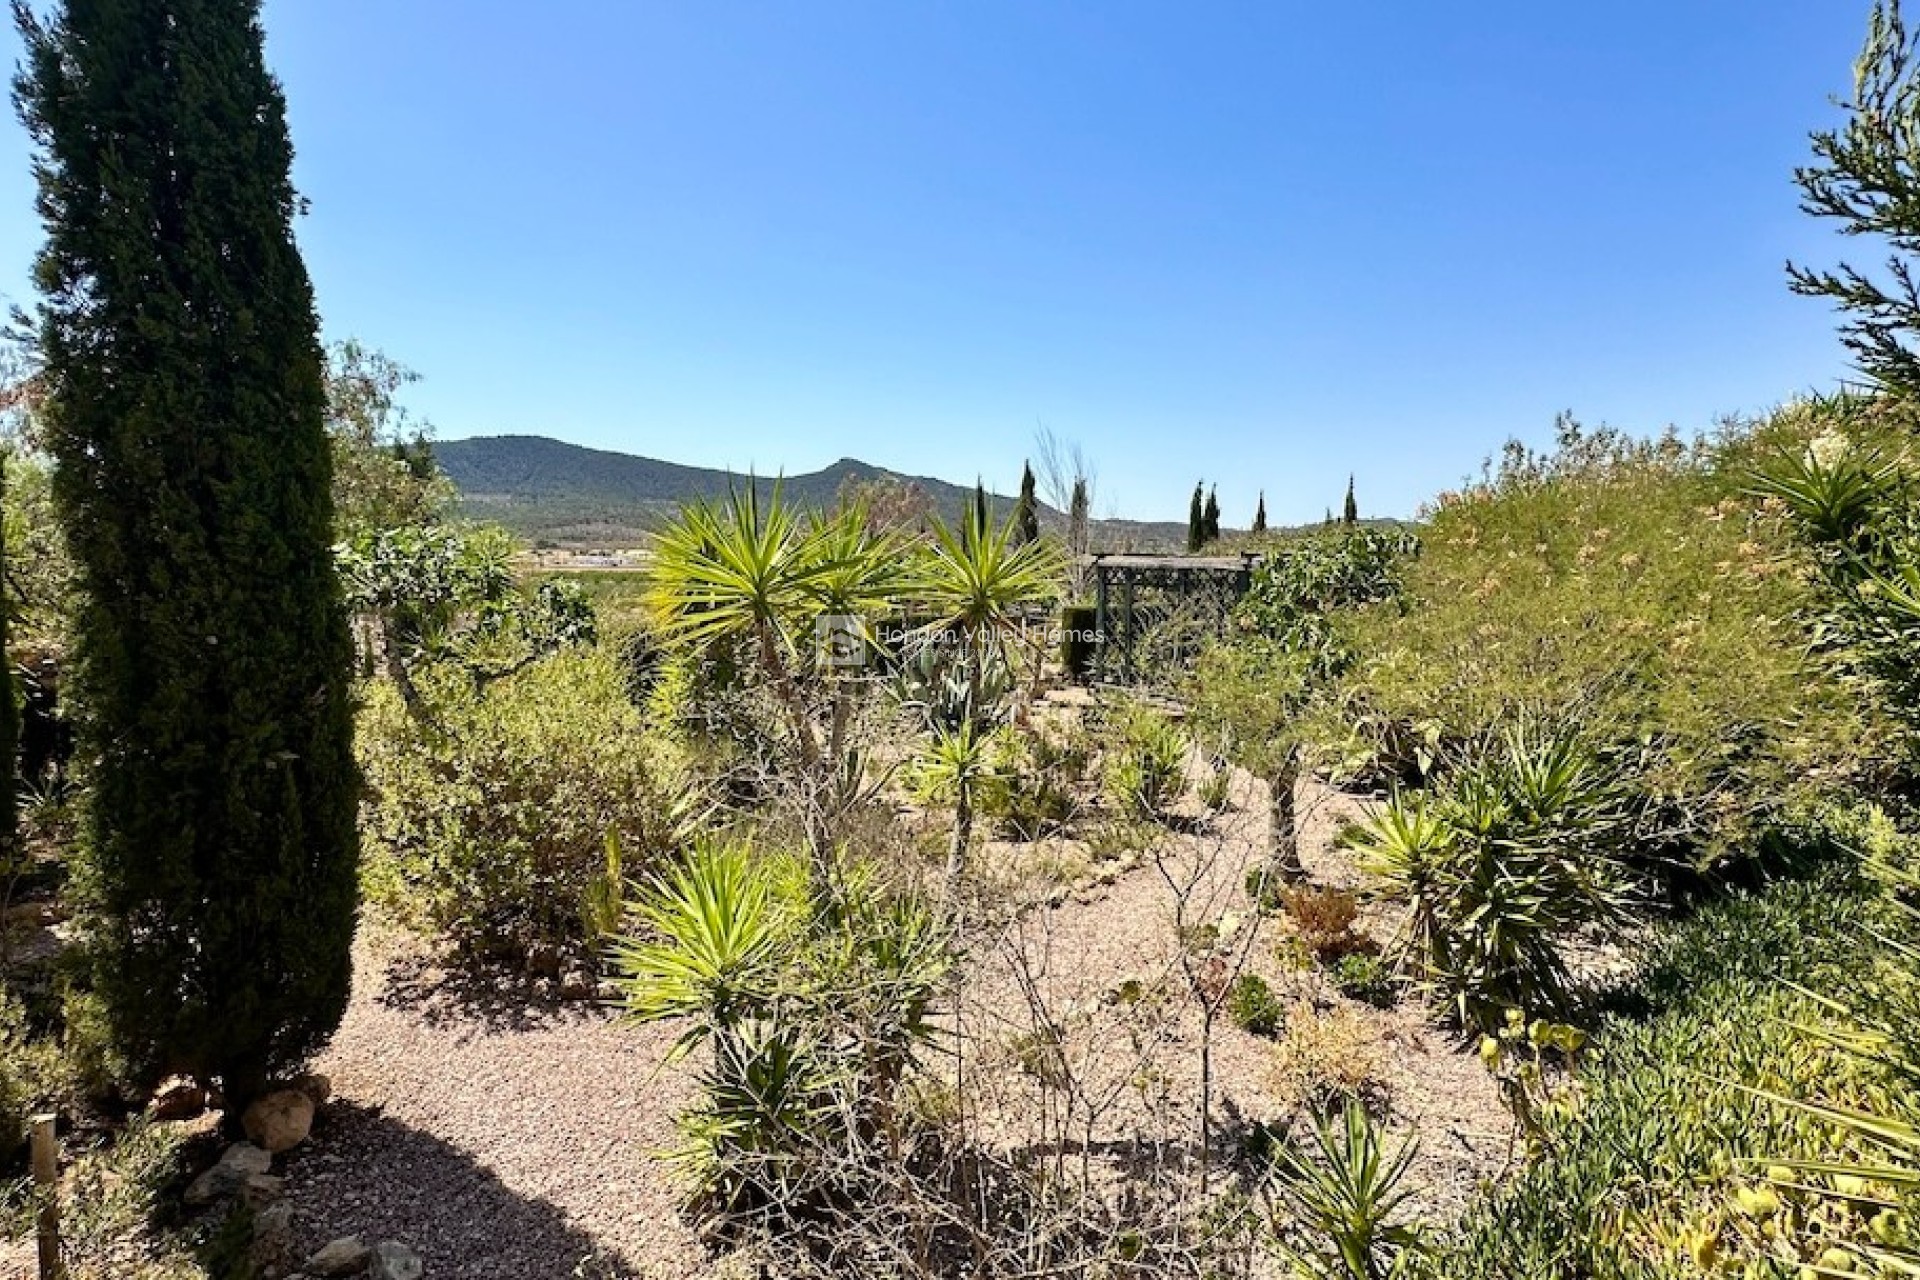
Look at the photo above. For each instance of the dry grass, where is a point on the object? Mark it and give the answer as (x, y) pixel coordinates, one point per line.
(1321, 1058)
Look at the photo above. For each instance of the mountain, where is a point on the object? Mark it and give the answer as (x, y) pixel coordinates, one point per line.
(551, 491)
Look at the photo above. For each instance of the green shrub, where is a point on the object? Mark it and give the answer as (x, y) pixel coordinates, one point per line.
(1146, 768)
(1364, 976)
(33, 1076)
(1644, 1170)
(1253, 1006)
(1341, 1202)
(492, 824)
(1637, 593)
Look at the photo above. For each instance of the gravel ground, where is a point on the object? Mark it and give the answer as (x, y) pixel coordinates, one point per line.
(501, 1140)
(505, 1139)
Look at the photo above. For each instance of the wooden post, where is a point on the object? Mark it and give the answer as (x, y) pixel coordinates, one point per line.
(46, 1185)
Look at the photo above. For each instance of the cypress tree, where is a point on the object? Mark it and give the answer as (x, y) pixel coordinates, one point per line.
(1210, 519)
(185, 411)
(1260, 514)
(1197, 519)
(1026, 515)
(9, 709)
(1350, 514)
(981, 520)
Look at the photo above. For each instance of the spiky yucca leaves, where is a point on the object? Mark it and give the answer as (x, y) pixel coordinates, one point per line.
(1501, 866)
(755, 577)
(1340, 1192)
(812, 1016)
(978, 583)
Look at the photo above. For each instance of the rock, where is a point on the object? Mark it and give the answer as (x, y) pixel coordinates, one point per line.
(262, 1188)
(576, 986)
(237, 1166)
(608, 992)
(272, 1236)
(280, 1121)
(394, 1261)
(177, 1098)
(346, 1256)
(317, 1087)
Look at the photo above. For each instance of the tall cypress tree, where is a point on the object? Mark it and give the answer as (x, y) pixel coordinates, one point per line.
(1260, 514)
(9, 709)
(185, 411)
(1197, 518)
(1026, 515)
(1210, 519)
(1350, 514)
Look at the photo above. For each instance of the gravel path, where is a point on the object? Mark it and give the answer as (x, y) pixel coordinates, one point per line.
(501, 1140)
(506, 1139)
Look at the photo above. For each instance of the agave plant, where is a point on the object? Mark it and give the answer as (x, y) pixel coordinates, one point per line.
(1340, 1192)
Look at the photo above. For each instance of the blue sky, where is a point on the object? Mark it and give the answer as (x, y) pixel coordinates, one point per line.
(1265, 244)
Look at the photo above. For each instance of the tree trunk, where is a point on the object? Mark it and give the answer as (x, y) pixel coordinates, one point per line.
(1283, 833)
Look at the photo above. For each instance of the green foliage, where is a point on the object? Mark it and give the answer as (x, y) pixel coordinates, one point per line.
(1866, 178)
(1502, 866)
(811, 1015)
(495, 825)
(1146, 765)
(184, 403)
(1364, 976)
(1633, 593)
(1253, 1007)
(1639, 1178)
(447, 599)
(1339, 1196)
(384, 476)
(33, 1076)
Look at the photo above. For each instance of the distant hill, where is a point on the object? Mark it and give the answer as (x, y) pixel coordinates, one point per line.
(550, 491)
(566, 495)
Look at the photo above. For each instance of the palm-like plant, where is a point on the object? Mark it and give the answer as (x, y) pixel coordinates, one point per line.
(756, 574)
(978, 582)
(1500, 867)
(713, 945)
(1341, 1190)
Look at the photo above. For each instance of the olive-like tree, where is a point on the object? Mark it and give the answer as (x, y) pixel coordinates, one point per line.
(184, 404)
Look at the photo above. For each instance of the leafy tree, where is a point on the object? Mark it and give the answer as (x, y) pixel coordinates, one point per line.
(1196, 520)
(431, 598)
(1210, 518)
(384, 476)
(185, 406)
(1260, 514)
(1866, 176)
(1350, 514)
(1026, 515)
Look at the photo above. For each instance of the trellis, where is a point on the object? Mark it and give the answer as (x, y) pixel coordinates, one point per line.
(1132, 594)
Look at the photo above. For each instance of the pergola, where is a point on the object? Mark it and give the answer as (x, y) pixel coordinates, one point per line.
(1204, 585)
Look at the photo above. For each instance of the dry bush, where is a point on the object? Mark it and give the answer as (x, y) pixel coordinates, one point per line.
(1321, 1059)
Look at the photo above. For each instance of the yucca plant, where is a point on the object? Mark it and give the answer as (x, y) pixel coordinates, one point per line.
(1336, 1198)
(754, 576)
(977, 583)
(1146, 769)
(1501, 865)
(713, 946)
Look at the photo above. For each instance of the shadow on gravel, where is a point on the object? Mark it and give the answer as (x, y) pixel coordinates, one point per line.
(382, 1180)
(440, 994)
